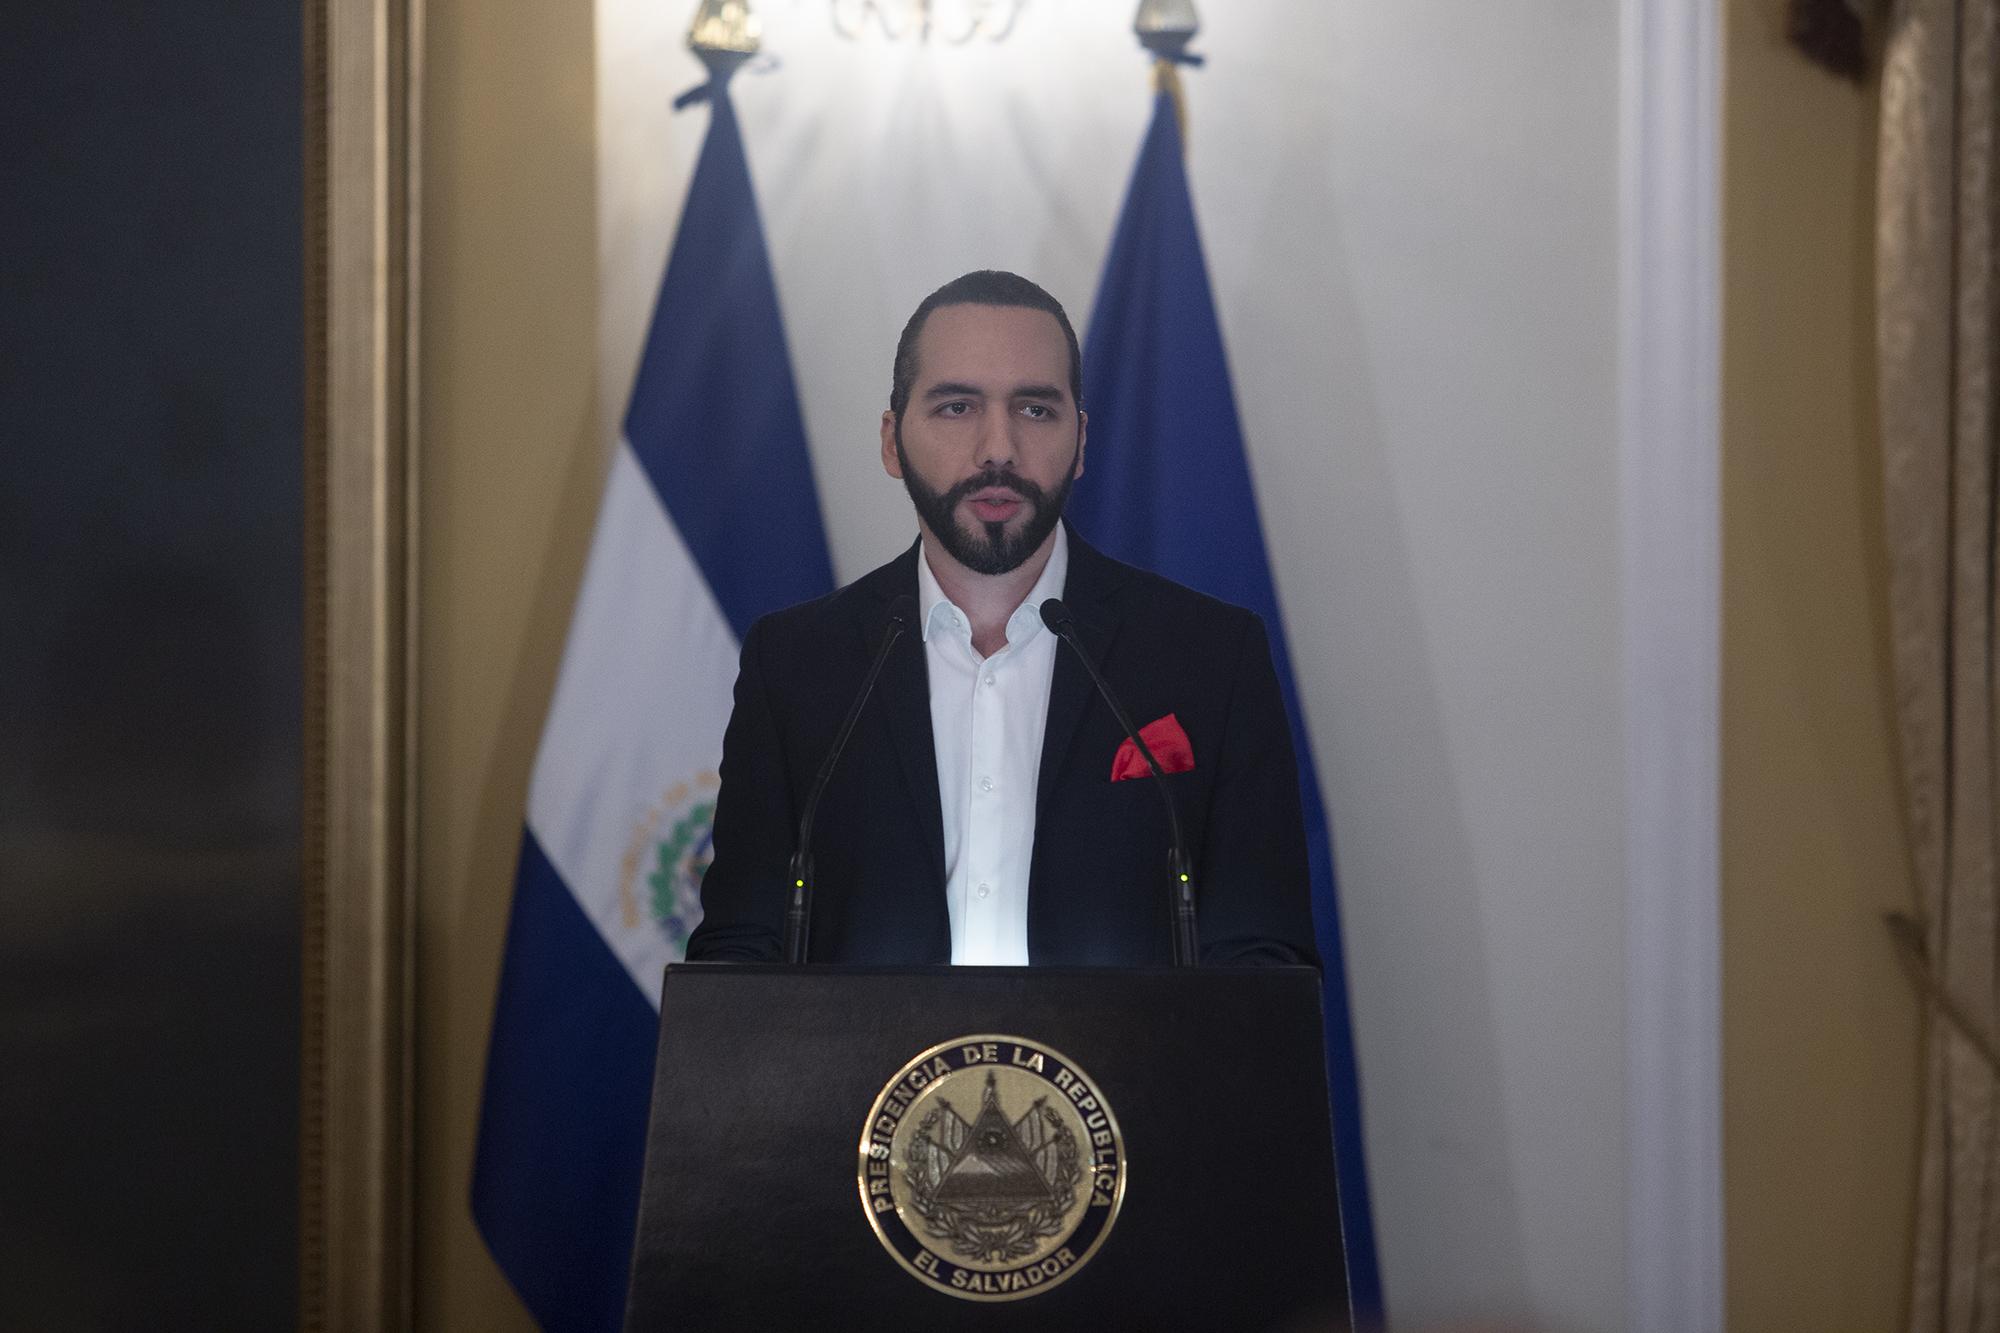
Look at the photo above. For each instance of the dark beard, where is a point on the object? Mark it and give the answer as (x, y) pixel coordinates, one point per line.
(993, 550)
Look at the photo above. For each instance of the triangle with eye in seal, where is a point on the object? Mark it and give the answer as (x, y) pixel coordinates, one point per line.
(993, 1167)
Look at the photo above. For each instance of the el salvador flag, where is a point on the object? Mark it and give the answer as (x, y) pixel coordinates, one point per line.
(709, 520)
(1170, 491)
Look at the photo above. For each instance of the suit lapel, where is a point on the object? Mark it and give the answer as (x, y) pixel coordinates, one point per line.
(905, 695)
(1087, 592)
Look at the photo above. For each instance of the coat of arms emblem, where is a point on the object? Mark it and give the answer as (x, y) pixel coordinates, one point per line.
(991, 1167)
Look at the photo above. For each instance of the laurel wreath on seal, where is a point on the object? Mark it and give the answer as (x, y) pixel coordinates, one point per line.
(992, 1233)
(667, 895)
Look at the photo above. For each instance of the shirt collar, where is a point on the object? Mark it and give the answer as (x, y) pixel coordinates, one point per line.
(1027, 618)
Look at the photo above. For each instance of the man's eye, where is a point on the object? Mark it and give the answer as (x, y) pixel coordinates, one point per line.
(954, 409)
(1037, 411)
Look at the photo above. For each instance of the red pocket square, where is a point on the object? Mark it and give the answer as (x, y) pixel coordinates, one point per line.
(1168, 743)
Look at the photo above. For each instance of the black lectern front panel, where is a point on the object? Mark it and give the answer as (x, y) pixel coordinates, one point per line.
(789, 1109)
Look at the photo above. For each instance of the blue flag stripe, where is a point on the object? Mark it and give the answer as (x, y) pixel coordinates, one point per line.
(715, 370)
(1164, 428)
(562, 1133)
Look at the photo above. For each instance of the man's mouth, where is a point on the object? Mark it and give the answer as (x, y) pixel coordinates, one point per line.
(995, 504)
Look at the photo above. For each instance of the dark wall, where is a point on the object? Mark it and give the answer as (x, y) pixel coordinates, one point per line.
(150, 381)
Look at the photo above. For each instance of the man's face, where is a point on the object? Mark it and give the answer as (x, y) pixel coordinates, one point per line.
(991, 439)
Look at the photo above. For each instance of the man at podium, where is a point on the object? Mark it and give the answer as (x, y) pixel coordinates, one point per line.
(989, 806)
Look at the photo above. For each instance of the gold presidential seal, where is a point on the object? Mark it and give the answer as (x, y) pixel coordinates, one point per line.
(991, 1167)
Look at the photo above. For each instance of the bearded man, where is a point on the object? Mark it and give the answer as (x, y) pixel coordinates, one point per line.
(988, 808)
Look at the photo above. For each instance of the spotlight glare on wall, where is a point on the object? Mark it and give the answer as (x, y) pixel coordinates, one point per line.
(954, 21)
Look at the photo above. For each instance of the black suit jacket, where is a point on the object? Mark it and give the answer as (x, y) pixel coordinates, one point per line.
(1097, 887)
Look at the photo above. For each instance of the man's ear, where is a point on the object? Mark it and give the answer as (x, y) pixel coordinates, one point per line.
(890, 463)
(1082, 431)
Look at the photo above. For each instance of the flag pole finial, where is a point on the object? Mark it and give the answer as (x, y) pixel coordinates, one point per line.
(724, 34)
(1165, 27)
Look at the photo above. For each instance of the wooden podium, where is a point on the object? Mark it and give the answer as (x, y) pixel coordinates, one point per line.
(805, 1168)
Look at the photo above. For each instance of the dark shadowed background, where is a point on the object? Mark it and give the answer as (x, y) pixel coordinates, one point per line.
(150, 609)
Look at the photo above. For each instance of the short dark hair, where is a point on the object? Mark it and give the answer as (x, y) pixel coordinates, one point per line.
(986, 286)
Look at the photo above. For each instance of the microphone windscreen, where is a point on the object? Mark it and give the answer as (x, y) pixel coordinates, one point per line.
(903, 612)
(1056, 616)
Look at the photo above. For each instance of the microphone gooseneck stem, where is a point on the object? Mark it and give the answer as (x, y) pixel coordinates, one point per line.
(798, 909)
(796, 925)
(1180, 871)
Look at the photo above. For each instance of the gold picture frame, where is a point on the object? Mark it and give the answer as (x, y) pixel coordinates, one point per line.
(362, 78)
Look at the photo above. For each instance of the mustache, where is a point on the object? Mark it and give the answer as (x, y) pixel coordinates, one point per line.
(989, 480)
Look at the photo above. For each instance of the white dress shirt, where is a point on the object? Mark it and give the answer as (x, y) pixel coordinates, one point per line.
(987, 716)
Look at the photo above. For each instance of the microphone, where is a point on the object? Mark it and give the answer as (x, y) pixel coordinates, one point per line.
(798, 915)
(1180, 876)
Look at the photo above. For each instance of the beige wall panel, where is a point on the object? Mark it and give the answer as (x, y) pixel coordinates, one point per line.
(1820, 1028)
(513, 455)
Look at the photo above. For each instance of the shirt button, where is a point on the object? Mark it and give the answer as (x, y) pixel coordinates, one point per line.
(986, 784)
(989, 680)
(985, 889)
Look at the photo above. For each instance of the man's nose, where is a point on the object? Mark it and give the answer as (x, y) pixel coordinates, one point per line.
(996, 441)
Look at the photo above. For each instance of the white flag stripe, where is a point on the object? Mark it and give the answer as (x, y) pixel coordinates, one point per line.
(639, 710)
